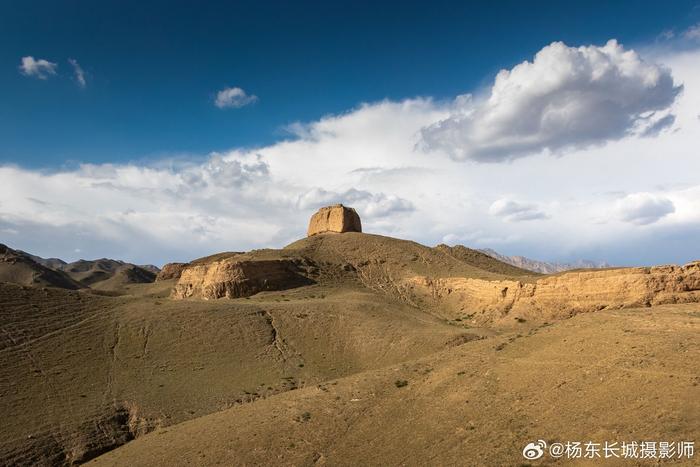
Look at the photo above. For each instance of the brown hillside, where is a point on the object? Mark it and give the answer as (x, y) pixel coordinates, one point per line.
(610, 376)
(112, 368)
(381, 263)
(18, 268)
(482, 260)
(107, 274)
(396, 258)
(386, 353)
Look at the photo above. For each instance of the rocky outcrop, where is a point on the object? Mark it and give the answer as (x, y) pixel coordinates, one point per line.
(150, 268)
(171, 271)
(562, 295)
(336, 218)
(235, 277)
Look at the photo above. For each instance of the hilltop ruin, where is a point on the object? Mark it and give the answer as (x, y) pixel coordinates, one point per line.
(334, 219)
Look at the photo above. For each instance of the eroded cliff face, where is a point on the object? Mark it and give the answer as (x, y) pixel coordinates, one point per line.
(236, 278)
(336, 218)
(560, 296)
(171, 271)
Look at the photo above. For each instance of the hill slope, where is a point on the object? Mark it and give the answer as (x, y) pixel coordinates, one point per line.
(484, 261)
(611, 376)
(19, 268)
(373, 360)
(81, 374)
(544, 267)
(51, 263)
(107, 274)
(383, 263)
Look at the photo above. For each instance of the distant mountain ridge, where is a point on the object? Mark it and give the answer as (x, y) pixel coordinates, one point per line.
(19, 268)
(104, 271)
(52, 263)
(482, 260)
(27, 269)
(544, 267)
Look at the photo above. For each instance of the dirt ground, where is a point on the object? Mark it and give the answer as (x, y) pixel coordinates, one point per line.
(342, 372)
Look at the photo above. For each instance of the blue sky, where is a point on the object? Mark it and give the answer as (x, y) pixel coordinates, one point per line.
(165, 131)
(153, 68)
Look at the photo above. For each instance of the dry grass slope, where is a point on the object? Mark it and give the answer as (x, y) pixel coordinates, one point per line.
(356, 366)
(611, 376)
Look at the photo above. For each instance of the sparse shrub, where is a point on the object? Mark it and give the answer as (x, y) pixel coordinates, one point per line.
(400, 383)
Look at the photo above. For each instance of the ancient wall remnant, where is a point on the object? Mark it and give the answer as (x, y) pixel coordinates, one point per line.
(336, 218)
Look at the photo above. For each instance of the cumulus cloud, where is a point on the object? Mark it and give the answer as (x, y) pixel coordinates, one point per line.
(567, 98)
(229, 201)
(370, 204)
(41, 68)
(225, 172)
(514, 211)
(233, 98)
(78, 73)
(644, 208)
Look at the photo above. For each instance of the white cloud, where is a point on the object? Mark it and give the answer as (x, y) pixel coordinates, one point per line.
(233, 97)
(79, 74)
(667, 34)
(41, 68)
(180, 211)
(367, 158)
(692, 32)
(644, 208)
(565, 99)
(514, 211)
(370, 204)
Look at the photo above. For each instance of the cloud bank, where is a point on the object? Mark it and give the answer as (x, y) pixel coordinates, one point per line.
(633, 200)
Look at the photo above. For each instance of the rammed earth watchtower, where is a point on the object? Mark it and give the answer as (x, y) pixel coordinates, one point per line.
(334, 219)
